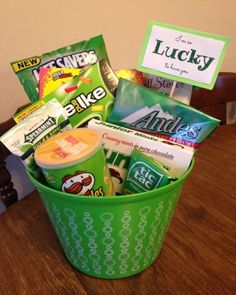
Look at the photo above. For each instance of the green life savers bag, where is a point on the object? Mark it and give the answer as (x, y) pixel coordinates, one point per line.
(76, 55)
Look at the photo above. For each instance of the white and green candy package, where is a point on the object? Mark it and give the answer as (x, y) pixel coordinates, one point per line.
(145, 174)
(34, 125)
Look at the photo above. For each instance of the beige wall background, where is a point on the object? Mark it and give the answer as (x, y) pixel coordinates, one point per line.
(32, 27)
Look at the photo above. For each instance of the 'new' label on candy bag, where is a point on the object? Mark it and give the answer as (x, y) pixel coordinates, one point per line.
(142, 109)
(76, 55)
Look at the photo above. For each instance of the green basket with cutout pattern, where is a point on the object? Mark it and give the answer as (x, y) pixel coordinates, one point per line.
(111, 237)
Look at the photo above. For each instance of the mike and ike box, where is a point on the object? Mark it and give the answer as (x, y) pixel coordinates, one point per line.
(90, 94)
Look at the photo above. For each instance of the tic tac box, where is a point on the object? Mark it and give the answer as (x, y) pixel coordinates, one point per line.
(119, 143)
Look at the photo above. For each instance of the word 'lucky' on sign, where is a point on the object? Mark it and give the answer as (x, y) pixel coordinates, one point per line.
(189, 56)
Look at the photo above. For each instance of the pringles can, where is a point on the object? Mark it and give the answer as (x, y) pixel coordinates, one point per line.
(74, 162)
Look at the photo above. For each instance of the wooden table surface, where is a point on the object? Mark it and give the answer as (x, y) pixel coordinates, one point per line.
(198, 256)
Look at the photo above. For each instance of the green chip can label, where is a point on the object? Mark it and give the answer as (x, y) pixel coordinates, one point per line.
(74, 162)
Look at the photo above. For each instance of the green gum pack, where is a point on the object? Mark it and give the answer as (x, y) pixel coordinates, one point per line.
(76, 55)
(145, 174)
(34, 125)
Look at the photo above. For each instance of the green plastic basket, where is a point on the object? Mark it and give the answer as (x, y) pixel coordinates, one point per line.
(112, 237)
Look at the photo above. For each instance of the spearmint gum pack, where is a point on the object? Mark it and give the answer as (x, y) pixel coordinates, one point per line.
(88, 95)
(145, 174)
(142, 109)
(51, 79)
(77, 55)
(34, 125)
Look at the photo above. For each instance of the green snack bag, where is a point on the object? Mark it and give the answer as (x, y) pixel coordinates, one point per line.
(137, 107)
(88, 95)
(145, 174)
(77, 55)
(35, 124)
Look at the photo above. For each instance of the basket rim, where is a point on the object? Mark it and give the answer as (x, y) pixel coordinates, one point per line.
(121, 198)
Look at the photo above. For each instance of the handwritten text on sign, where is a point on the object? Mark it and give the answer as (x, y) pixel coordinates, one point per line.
(182, 55)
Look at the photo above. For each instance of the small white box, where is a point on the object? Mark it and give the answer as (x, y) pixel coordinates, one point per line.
(119, 143)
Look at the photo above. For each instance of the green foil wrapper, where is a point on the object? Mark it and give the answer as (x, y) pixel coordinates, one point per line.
(142, 109)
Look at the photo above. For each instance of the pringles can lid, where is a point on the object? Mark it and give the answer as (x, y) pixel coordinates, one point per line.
(68, 148)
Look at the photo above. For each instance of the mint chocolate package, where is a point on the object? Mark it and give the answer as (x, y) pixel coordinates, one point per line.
(76, 55)
(88, 95)
(137, 107)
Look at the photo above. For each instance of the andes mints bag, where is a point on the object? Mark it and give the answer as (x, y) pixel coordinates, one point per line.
(142, 109)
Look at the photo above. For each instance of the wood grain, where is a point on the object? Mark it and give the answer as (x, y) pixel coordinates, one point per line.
(213, 102)
(198, 256)
(8, 195)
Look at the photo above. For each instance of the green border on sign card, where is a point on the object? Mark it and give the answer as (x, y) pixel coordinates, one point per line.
(178, 78)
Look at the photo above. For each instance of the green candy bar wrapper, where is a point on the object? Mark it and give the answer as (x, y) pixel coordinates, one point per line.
(145, 173)
(88, 95)
(36, 123)
(76, 55)
(142, 109)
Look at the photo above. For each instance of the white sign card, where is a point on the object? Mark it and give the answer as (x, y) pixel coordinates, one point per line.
(183, 55)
